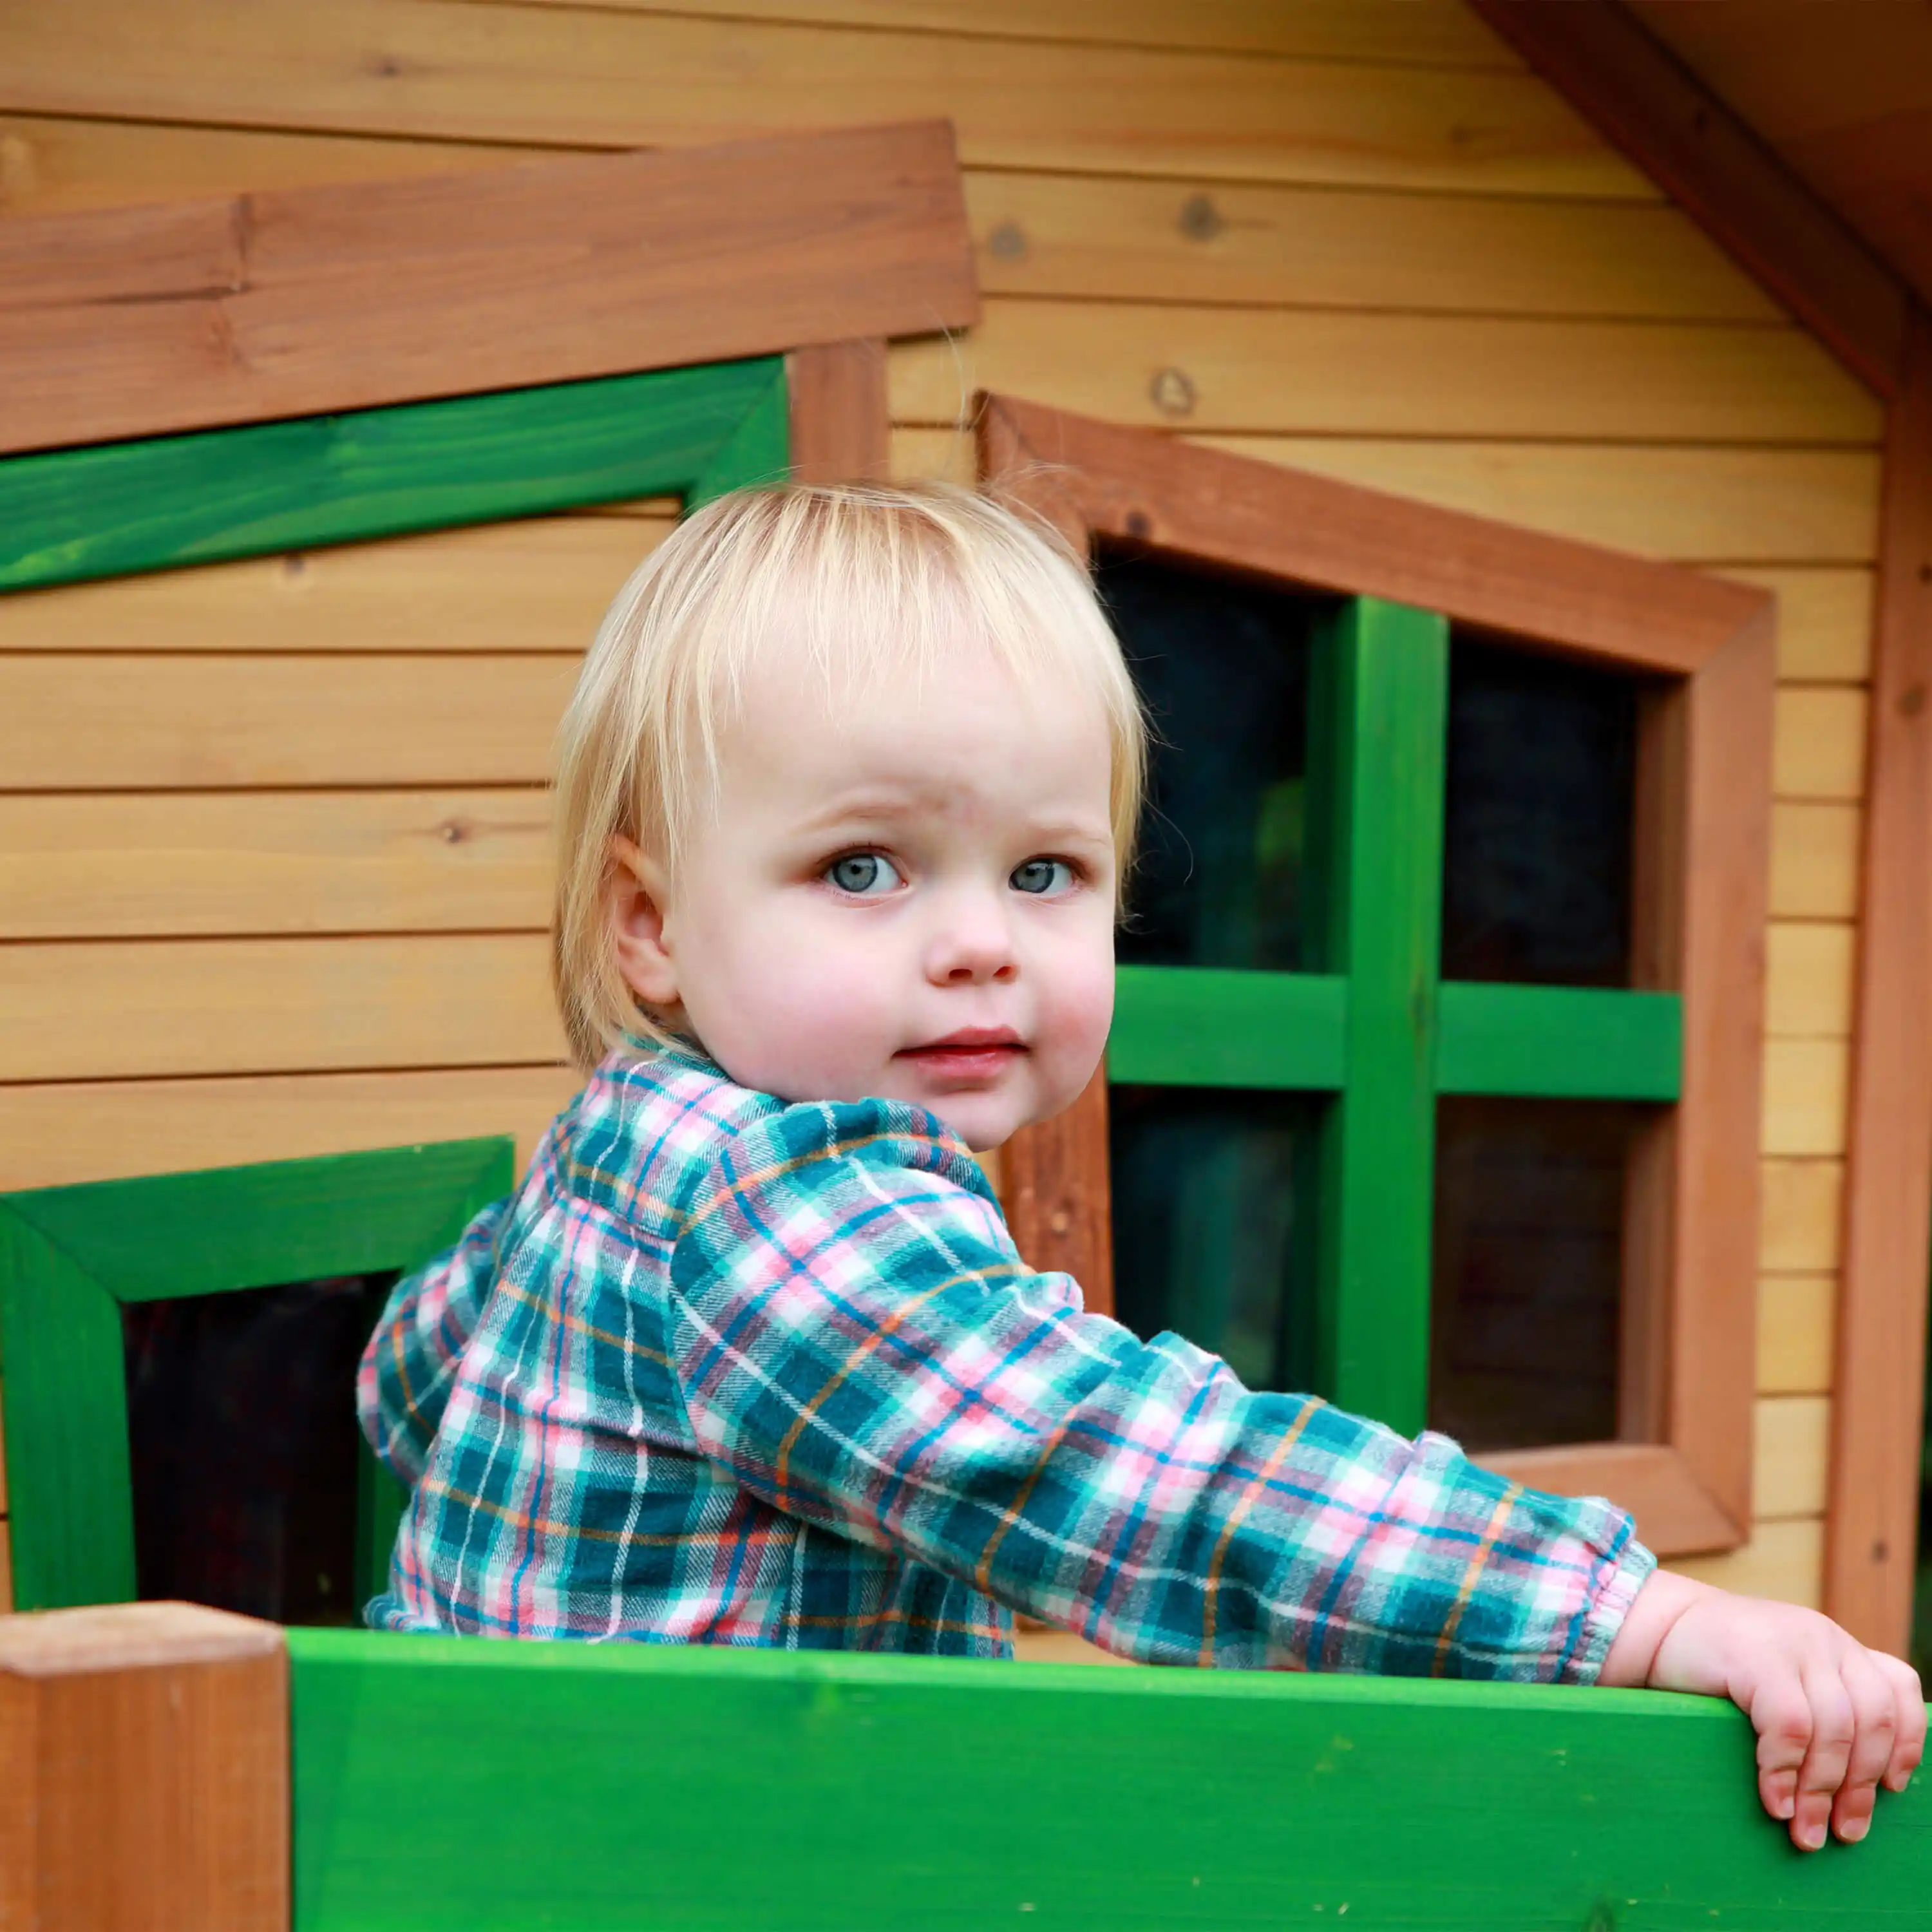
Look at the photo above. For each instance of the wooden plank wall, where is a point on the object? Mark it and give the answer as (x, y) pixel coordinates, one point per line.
(272, 864)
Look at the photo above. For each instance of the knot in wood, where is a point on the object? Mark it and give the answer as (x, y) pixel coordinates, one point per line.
(1172, 390)
(1007, 242)
(1139, 524)
(1912, 701)
(455, 831)
(1200, 219)
(1060, 1220)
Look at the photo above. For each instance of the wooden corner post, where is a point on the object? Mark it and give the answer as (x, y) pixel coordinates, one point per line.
(144, 1770)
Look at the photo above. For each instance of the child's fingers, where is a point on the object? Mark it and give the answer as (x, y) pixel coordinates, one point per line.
(1780, 1714)
(1875, 1716)
(1908, 1744)
(1834, 1725)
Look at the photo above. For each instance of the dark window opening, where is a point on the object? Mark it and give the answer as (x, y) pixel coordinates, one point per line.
(1527, 1280)
(1211, 1220)
(1542, 755)
(245, 1448)
(1221, 665)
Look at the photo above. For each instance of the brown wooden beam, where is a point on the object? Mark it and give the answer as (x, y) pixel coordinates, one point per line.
(1879, 1387)
(144, 1770)
(136, 322)
(841, 422)
(1643, 99)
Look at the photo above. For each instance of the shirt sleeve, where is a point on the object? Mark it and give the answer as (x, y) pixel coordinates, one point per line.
(856, 1341)
(409, 1365)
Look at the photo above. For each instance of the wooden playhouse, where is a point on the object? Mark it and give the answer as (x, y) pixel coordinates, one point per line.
(1505, 434)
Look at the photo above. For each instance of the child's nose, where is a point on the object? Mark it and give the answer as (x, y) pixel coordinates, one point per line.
(973, 947)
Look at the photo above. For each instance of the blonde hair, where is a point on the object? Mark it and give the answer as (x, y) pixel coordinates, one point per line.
(858, 575)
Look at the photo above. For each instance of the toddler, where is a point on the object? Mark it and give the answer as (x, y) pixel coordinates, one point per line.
(844, 795)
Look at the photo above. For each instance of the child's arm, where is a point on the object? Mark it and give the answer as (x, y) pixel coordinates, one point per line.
(410, 1362)
(1833, 1719)
(855, 1339)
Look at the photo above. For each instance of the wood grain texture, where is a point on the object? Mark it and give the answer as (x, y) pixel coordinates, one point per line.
(1314, 530)
(1054, 1188)
(441, 68)
(184, 723)
(1824, 620)
(1808, 979)
(1784, 1560)
(539, 584)
(1882, 1328)
(249, 1006)
(1791, 1442)
(1258, 1799)
(841, 429)
(1196, 240)
(1302, 371)
(1821, 743)
(1602, 60)
(1805, 1084)
(148, 1779)
(55, 1135)
(1795, 1313)
(1396, 32)
(93, 866)
(303, 301)
(1802, 1203)
(1745, 511)
(1814, 860)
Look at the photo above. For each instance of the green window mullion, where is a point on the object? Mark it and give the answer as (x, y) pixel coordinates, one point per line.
(1196, 1026)
(1559, 1042)
(1379, 722)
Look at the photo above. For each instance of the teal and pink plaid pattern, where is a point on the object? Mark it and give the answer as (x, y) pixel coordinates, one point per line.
(728, 1371)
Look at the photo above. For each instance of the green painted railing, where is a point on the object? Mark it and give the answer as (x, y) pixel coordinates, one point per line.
(469, 1785)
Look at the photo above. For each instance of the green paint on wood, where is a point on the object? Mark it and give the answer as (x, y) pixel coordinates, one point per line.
(1200, 1027)
(1559, 1042)
(68, 1492)
(69, 514)
(688, 1787)
(1378, 721)
(70, 1256)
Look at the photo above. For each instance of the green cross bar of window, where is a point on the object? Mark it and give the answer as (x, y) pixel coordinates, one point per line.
(1379, 1029)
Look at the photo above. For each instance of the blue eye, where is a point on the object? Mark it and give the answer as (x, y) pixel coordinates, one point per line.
(1042, 877)
(866, 875)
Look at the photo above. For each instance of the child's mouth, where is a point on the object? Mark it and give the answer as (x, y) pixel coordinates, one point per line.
(970, 1057)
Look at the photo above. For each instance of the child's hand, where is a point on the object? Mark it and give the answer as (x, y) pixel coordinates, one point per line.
(1833, 1718)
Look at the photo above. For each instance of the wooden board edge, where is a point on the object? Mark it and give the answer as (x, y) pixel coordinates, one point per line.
(1873, 1502)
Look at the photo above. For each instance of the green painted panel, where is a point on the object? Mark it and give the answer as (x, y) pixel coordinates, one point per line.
(244, 1227)
(669, 1787)
(1201, 1027)
(69, 514)
(73, 1518)
(1378, 724)
(758, 450)
(1559, 1042)
(69, 1256)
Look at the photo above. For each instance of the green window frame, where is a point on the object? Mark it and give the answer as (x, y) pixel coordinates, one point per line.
(1376, 1032)
(71, 1257)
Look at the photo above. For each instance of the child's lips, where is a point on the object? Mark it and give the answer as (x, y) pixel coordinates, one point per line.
(973, 1057)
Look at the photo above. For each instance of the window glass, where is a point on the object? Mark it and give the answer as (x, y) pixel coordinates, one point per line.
(1221, 665)
(1526, 1282)
(1210, 1223)
(244, 1446)
(1536, 884)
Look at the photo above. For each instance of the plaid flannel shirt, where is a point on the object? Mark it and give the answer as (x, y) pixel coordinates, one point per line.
(726, 1370)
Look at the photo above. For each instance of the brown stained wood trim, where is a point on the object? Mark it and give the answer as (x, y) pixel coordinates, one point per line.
(137, 322)
(1054, 1186)
(1260, 516)
(1676, 1514)
(144, 1769)
(841, 424)
(1703, 864)
(1641, 98)
(1872, 1505)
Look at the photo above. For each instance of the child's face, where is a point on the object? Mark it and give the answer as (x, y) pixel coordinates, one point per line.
(907, 891)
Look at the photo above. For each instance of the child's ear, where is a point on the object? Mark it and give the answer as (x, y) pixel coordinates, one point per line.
(635, 887)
